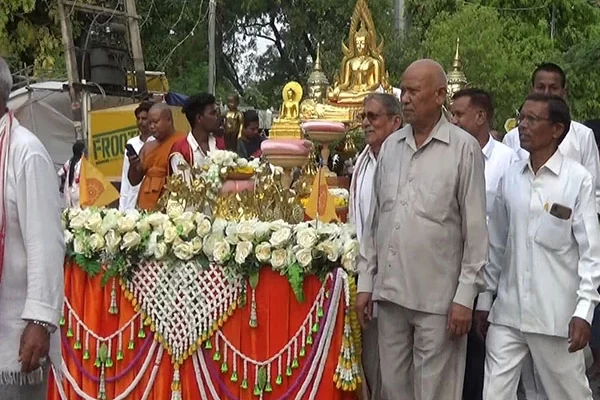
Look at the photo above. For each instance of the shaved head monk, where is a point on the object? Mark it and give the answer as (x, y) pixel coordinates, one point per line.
(425, 242)
(151, 167)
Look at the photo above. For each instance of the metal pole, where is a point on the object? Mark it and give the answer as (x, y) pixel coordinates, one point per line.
(212, 70)
(399, 22)
(136, 46)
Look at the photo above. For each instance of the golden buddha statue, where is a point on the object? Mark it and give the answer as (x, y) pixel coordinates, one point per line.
(287, 125)
(363, 66)
(456, 77)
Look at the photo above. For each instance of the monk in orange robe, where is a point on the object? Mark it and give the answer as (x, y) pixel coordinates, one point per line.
(151, 167)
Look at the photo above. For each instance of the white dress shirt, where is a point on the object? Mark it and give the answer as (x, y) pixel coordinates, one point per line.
(129, 194)
(497, 158)
(365, 192)
(198, 155)
(544, 270)
(32, 284)
(579, 145)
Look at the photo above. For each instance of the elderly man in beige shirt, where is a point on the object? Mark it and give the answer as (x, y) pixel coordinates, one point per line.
(426, 243)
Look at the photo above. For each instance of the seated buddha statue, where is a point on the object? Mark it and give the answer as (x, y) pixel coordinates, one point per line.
(362, 71)
(287, 125)
(289, 107)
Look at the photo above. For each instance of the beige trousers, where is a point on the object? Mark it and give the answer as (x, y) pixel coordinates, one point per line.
(419, 361)
(561, 373)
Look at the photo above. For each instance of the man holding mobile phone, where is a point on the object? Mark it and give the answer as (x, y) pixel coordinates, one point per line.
(129, 193)
(544, 239)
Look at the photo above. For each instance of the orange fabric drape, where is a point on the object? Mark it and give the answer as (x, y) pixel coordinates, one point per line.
(279, 317)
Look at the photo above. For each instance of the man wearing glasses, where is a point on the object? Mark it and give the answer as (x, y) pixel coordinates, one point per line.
(381, 118)
(544, 264)
(425, 242)
(579, 145)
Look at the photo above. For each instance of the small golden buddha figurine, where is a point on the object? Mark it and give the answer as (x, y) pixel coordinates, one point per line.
(287, 125)
(363, 67)
(456, 77)
(234, 121)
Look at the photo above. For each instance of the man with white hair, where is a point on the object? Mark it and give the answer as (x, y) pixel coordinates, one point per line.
(31, 258)
(425, 243)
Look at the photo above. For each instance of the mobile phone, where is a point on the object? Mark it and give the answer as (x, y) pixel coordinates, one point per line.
(560, 211)
(130, 150)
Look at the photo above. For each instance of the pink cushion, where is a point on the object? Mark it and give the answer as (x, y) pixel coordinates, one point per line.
(284, 147)
(237, 186)
(324, 126)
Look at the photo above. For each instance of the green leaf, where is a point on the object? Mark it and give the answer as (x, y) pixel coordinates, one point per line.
(103, 352)
(262, 378)
(253, 279)
(203, 261)
(90, 266)
(296, 278)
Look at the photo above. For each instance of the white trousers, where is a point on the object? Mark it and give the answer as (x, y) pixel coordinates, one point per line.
(561, 373)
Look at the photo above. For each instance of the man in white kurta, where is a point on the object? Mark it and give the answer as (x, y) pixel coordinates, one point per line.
(31, 286)
(381, 118)
(544, 265)
(129, 193)
(472, 110)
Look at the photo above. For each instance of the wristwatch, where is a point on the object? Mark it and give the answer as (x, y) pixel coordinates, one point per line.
(49, 327)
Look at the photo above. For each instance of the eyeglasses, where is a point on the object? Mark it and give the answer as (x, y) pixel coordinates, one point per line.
(530, 119)
(371, 116)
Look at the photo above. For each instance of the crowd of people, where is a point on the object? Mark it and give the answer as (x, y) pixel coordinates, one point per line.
(479, 261)
(448, 313)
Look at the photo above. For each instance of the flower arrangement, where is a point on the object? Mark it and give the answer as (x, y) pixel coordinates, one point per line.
(120, 240)
(219, 164)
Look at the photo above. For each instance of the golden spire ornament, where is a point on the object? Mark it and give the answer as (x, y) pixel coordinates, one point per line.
(456, 77)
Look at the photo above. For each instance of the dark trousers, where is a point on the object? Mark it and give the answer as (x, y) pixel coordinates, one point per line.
(475, 364)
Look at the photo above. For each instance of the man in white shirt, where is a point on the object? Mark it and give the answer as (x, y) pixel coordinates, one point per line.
(544, 265)
(31, 258)
(579, 144)
(129, 193)
(380, 118)
(201, 112)
(473, 110)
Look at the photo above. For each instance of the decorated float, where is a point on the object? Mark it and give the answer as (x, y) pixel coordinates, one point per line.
(242, 286)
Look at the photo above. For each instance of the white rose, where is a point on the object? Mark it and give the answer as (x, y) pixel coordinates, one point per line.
(306, 237)
(277, 225)
(94, 222)
(329, 230)
(157, 219)
(281, 237)
(185, 227)
(242, 251)
(231, 233)
(242, 162)
(262, 229)
(219, 225)
(330, 249)
(170, 233)
(183, 251)
(304, 257)
(174, 209)
(196, 243)
(73, 212)
(278, 258)
(143, 226)
(245, 230)
(160, 251)
(96, 242)
(110, 220)
(221, 252)
(68, 236)
(151, 244)
(77, 222)
(208, 245)
(112, 239)
(131, 240)
(349, 263)
(203, 227)
(127, 223)
(263, 252)
(79, 245)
